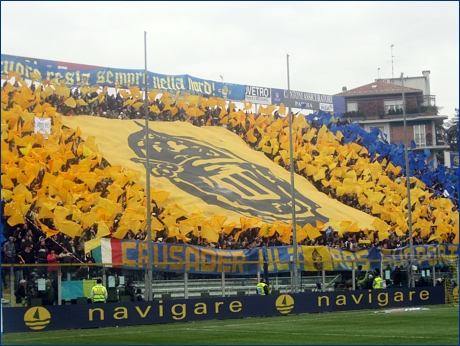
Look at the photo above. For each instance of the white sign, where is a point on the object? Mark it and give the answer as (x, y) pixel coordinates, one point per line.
(41, 284)
(258, 95)
(327, 107)
(43, 125)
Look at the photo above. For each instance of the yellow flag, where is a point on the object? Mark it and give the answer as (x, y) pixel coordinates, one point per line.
(92, 244)
(45, 213)
(102, 229)
(111, 207)
(137, 105)
(48, 231)
(6, 194)
(25, 151)
(264, 230)
(286, 235)
(252, 139)
(70, 228)
(320, 175)
(376, 209)
(176, 210)
(282, 109)
(121, 231)
(319, 225)
(182, 236)
(209, 232)
(159, 196)
(380, 225)
(229, 228)
(218, 221)
(301, 234)
(70, 102)
(156, 225)
(398, 232)
(81, 102)
(86, 151)
(62, 91)
(16, 219)
(354, 228)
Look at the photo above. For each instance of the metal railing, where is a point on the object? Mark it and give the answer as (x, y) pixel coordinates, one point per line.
(189, 285)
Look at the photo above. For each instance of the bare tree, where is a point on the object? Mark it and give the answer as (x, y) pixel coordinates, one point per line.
(450, 134)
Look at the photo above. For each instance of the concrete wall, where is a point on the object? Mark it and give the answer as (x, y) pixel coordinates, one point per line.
(420, 82)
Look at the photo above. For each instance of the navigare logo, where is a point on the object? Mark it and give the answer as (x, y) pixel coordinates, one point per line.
(284, 304)
(37, 318)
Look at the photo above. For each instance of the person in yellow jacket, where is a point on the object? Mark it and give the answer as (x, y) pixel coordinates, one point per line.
(378, 283)
(262, 288)
(99, 293)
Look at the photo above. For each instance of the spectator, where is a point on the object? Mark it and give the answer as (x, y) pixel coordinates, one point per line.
(9, 251)
(20, 293)
(65, 257)
(26, 242)
(117, 279)
(48, 295)
(366, 282)
(32, 289)
(79, 253)
(27, 257)
(397, 276)
(53, 259)
(359, 273)
(72, 248)
(41, 256)
(130, 290)
(139, 297)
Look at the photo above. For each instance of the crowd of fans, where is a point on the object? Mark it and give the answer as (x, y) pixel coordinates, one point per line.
(27, 243)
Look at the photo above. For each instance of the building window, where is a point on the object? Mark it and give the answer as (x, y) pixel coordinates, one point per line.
(382, 136)
(419, 135)
(393, 105)
(352, 106)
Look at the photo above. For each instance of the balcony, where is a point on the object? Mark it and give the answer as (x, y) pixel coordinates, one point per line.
(391, 112)
(379, 108)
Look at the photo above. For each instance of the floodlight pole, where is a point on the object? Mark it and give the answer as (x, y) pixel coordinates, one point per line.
(411, 281)
(148, 285)
(291, 160)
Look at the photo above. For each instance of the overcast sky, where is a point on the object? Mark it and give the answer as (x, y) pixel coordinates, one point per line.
(330, 44)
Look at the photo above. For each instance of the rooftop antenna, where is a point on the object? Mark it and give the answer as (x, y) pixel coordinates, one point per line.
(392, 70)
(378, 73)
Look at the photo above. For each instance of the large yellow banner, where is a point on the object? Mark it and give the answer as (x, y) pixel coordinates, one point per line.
(212, 169)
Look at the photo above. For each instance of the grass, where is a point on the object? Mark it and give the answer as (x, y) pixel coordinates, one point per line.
(439, 325)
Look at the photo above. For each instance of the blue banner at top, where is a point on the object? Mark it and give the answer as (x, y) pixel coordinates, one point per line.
(277, 96)
(75, 75)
